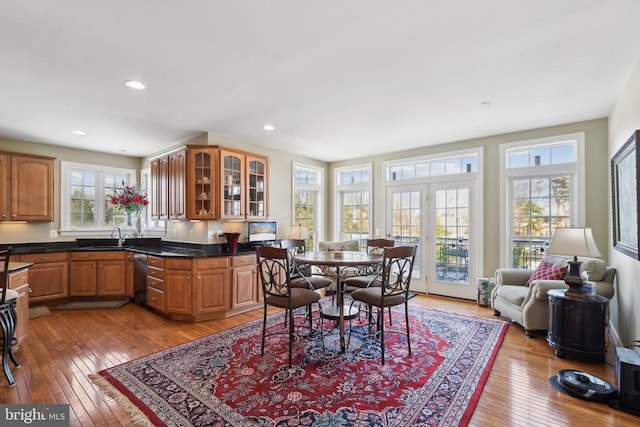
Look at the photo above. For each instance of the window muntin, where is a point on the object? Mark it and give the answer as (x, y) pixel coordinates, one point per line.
(307, 200)
(354, 202)
(85, 192)
(451, 165)
(542, 178)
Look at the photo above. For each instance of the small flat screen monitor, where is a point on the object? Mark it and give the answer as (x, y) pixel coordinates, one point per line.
(262, 231)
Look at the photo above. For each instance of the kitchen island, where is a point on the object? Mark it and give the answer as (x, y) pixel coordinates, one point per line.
(183, 281)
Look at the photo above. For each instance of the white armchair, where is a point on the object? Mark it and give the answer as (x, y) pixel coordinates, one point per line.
(529, 306)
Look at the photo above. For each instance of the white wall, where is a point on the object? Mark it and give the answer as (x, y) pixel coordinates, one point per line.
(624, 120)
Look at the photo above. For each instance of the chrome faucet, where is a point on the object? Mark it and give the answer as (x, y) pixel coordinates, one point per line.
(113, 234)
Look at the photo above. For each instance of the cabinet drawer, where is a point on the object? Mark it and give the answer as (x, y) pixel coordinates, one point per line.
(155, 298)
(211, 263)
(177, 263)
(18, 279)
(155, 261)
(44, 257)
(239, 261)
(98, 255)
(155, 271)
(155, 282)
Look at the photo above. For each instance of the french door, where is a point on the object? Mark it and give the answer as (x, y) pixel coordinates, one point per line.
(438, 217)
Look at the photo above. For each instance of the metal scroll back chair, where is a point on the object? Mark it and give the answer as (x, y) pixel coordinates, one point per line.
(371, 274)
(8, 318)
(273, 267)
(397, 268)
(301, 275)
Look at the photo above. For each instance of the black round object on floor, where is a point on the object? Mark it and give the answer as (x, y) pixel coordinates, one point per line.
(585, 386)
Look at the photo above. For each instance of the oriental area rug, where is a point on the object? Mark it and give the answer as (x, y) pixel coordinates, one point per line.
(222, 379)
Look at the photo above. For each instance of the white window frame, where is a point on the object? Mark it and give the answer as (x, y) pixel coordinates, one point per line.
(340, 188)
(65, 196)
(576, 170)
(316, 188)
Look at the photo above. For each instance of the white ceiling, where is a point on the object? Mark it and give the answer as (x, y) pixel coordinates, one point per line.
(337, 79)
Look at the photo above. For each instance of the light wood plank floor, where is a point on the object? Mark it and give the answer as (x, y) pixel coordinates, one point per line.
(62, 349)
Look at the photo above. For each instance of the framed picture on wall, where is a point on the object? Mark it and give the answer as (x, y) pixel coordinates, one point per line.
(624, 191)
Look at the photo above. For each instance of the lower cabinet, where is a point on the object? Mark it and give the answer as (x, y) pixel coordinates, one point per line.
(96, 273)
(177, 277)
(128, 274)
(244, 282)
(155, 283)
(48, 276)
(212, 286)
(19, 282)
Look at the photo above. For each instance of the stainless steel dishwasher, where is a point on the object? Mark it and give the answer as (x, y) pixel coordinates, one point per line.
(140, 278)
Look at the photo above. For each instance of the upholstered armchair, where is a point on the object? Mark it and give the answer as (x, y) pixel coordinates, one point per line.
(528, 305)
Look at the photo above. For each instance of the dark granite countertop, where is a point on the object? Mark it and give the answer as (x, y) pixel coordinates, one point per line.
(150, 246)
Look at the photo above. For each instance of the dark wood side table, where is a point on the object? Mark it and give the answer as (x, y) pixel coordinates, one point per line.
(577, 324)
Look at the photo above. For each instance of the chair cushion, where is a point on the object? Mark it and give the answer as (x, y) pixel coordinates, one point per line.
(371, 296)
(316, 282)
(547, 271)
(363, 281)
(513, 294)
(11, 295)
(299, 298)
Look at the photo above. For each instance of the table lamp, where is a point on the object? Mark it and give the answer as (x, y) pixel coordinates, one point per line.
(574, 241)
(299, 231)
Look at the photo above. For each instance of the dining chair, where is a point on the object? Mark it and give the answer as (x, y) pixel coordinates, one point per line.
(370, 274)
(274, 269)
(8, 318)
(397, 268)
(301, 275)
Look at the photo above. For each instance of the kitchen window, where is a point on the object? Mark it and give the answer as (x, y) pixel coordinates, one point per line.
(85, 197)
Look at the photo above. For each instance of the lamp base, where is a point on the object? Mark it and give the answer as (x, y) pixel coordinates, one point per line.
(574, 280)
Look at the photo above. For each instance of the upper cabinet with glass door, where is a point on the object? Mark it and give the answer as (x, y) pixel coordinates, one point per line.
(232, 184)
(201, 185)
(243, 184)
(256, 193)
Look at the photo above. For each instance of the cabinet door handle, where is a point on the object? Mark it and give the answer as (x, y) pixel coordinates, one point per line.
(29, 291)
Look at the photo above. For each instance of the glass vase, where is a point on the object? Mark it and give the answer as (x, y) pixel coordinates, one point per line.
(134, 225)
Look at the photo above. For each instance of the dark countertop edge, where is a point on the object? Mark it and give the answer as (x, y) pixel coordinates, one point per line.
(164, 249)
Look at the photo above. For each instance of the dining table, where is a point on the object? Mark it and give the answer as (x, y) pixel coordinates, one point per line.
(340, 261)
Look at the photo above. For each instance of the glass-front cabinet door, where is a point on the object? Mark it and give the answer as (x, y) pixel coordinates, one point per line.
(232, 185)
(256, 187)
(202, 183)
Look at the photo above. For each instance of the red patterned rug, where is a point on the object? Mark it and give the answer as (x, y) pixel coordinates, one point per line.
(223, 380)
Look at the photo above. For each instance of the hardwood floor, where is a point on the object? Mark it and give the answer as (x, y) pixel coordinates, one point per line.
(65, 347)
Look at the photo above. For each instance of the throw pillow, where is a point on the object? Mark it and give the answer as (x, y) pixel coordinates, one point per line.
(547, 271)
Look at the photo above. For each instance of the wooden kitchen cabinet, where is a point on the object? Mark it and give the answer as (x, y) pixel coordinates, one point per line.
(177, 184)
(48, 276)
(212, 286)
(244, 282)
(26, 187)
(168, 185)
(155, 283)
(243, 185)
(160, 187)
(232, 184)
(19, 282)
(129, 274)
(201, 182)
(97, 273)
(178, 287)
(256, 187)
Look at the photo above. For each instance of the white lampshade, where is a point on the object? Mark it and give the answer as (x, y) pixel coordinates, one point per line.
(299, 232)
(575, 241)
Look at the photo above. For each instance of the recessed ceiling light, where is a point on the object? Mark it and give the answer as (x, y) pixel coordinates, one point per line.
(78, 132)
(269, 127)
(135, 85)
